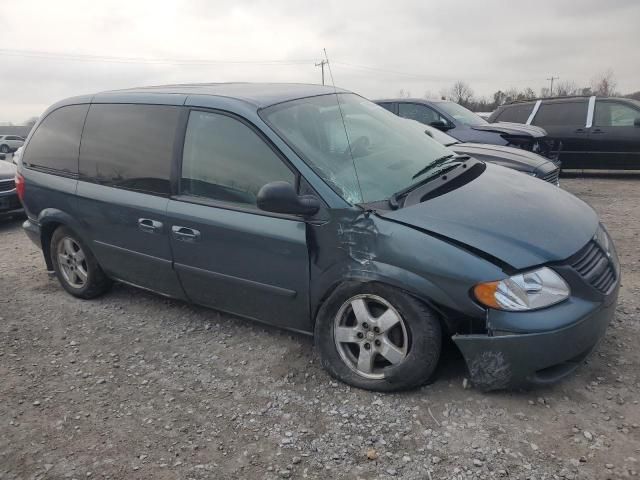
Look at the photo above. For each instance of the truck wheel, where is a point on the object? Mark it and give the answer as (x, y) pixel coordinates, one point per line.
(377, 337)
(76, 268)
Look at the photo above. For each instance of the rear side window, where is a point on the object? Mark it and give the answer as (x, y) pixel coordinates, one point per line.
(55, 144)
(387, 106)
(561, 113)
(129, 146)
(224, 159)
(515, 113)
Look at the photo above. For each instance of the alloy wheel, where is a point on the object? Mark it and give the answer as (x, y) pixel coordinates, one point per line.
(370, 335)
(72, 262)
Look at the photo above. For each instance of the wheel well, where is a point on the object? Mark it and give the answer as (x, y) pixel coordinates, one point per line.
(46, 232)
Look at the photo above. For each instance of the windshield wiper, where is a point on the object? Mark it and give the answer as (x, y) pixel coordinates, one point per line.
(447, 162)
(440, 161)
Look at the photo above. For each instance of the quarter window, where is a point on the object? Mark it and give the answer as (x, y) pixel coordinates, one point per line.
(54, 145)
(225, 160)
(129, 146)
(420, 113)
(561, 113)
(515, 113)
(613, 114)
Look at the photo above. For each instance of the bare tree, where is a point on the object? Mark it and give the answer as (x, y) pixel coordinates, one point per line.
(604, 84)
(404, 93)
(461, 93)
(567, 88)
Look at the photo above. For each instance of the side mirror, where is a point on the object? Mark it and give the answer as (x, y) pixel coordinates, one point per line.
(636, 122)
(440, 125)
(280, 197)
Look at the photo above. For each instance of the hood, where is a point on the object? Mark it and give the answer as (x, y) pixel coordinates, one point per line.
(7, 170)
(513, 217)
(516, 158)
(512, 129)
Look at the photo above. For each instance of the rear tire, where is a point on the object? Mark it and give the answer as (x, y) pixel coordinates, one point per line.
(377, 337)
(75, 266)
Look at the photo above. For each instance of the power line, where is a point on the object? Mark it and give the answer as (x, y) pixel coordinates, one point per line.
(144, 60)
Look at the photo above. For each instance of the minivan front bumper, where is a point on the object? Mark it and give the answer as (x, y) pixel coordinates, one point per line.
(512, 360)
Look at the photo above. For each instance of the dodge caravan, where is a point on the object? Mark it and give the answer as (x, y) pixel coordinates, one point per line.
(318, 211)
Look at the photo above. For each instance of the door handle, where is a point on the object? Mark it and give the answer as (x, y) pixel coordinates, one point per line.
(597, 130)
(149, 226)
(581, 130)
(185, 234)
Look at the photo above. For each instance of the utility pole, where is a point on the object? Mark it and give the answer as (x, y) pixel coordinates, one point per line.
(321, 65)
(551, 79)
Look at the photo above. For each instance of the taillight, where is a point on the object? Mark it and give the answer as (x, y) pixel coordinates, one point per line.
(20, 186)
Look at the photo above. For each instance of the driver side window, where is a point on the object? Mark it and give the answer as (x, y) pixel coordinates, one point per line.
(225, 160)
(420, 113)
(613, 114)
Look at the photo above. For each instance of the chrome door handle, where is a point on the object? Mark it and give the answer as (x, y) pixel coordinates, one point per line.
(149, 226)
(185, 234)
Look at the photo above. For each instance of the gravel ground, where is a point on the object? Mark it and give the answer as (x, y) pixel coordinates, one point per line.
(136, 386)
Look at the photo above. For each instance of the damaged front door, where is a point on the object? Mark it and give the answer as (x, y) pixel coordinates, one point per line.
(228, 254)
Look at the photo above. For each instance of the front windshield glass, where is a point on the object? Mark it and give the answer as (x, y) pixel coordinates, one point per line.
(381, 156)
(461, 114)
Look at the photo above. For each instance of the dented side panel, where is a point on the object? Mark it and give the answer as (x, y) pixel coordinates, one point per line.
(360, 245)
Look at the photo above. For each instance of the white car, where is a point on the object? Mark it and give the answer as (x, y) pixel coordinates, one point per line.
(10, 143)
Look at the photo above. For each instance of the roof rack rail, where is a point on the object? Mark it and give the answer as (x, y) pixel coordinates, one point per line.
(558, 97)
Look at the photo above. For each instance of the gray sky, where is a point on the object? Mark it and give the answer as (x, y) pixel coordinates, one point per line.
(376, 47)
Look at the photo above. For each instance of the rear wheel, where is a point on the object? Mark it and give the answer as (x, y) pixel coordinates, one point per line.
(377, 337)
(75, 266)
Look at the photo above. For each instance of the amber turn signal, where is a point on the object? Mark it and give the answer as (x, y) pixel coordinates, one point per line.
(485, 293)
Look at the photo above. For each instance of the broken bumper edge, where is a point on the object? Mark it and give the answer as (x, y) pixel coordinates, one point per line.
(533, 359)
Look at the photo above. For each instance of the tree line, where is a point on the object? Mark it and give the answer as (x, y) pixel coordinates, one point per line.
(604, 85)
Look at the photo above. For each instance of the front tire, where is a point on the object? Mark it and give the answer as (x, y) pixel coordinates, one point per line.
(377, 337)
(75, 266)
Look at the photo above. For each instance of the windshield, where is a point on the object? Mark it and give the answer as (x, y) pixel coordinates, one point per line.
(380, 157)
(461, 114)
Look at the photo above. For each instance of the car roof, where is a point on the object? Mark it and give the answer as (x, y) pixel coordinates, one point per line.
(410, 100)
(561, 99)
(257, 94)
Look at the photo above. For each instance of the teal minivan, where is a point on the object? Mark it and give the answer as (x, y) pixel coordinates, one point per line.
(313, 209)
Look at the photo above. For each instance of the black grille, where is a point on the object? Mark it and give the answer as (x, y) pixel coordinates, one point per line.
(595, 267)
(552, 177)
(7, 185)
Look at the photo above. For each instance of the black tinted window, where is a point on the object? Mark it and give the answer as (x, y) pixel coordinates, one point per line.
(387, 106)
(225, 160)
(515, 113)
(129, 146)
(564, 113)
(54, 145)
(418, 112)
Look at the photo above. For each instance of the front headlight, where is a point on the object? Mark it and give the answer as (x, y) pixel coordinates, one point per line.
(524, 291)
